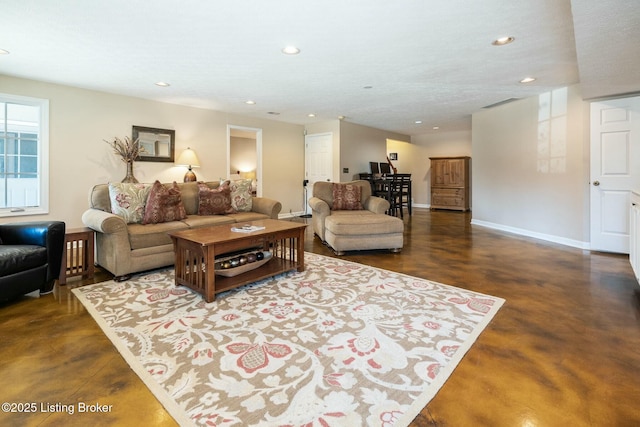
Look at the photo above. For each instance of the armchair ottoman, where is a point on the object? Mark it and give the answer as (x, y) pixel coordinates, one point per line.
(363, 232)
(30, 257)
(355, 224)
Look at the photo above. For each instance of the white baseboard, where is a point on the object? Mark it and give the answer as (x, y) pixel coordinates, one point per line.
(528, 233)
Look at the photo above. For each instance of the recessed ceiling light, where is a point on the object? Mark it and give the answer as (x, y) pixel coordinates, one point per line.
(290, 50)
(250, 102)
(502, 41)
(273, 113)
(311, 115)
(4, 52)
(163, 84)
(528, 80)
(418, 122)
(435, 127)
(341, 117)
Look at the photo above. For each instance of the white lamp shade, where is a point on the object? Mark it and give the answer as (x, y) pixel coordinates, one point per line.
(188, 158)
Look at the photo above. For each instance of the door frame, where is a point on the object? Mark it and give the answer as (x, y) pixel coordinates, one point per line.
(617, 187)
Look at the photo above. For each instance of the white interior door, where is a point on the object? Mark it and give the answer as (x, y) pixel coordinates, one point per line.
(318, 160)
(615, 171)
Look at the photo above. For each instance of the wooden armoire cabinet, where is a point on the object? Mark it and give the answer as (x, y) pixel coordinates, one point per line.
(450, 183)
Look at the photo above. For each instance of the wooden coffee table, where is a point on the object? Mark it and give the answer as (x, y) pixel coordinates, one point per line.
(196, 251)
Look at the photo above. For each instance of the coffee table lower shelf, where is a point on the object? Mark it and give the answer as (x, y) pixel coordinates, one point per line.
(196, 280)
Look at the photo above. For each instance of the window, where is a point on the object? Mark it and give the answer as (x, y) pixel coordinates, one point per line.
(24, 155)
(552, 131)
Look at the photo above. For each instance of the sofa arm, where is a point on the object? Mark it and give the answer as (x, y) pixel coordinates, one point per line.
(376, 204)
(319, 212)
(104, 222)
(319, 206)
(266, 206)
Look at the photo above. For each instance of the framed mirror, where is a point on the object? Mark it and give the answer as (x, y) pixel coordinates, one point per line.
(158, 144)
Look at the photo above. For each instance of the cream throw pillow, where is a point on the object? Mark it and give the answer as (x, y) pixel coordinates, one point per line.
(128, 200)
(241, 198)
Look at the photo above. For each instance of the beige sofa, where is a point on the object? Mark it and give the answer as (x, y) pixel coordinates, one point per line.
(350, 230)
(123, 248)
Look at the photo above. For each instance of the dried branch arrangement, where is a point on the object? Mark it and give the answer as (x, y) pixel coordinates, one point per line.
(128, 149)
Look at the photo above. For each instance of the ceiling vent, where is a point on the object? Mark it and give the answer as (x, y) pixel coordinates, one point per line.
(506, 101)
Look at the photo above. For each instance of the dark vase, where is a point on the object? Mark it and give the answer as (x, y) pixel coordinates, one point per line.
(130, 177)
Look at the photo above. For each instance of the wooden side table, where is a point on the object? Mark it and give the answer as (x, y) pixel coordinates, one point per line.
(77, 256)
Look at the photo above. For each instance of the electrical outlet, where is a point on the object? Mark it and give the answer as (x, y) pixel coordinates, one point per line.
(345, 170)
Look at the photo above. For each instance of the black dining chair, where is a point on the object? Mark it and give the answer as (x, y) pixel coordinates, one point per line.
(374, 167)
(402, 192)
(385, 168)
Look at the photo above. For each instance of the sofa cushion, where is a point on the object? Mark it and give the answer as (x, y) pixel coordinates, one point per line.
(195, 221)
(241, 197)
(128, 200)
(346, 197)
(149, 235)
(241, 217)
(214, 201)
(17, 258)
(164, 204)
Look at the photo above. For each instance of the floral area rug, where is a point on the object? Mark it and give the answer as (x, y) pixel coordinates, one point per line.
(340, 344)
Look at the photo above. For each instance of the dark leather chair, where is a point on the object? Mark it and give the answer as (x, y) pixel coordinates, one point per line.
(30, 257)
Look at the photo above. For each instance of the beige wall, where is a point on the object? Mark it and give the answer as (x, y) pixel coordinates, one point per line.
(509, 190)
(80, 120)
(360, 145)
(354, 146)
(414, 158)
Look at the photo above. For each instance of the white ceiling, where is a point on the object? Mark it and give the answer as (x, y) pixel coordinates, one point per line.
(423, 59)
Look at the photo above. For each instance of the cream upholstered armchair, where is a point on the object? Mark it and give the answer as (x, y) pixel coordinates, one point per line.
(346, 217)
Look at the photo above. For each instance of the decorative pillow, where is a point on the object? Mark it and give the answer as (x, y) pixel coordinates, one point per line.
(346, 197)
(128, 200)
(241, 199)
(164, 204)
(214, 201)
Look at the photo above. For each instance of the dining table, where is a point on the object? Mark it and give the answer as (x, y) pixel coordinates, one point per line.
(396, 188)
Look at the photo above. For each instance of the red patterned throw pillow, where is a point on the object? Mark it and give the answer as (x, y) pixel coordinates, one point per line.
(214, 201)
(346, 197)
(164, 204)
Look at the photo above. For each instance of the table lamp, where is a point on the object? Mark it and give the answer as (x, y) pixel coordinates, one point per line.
(188, 158)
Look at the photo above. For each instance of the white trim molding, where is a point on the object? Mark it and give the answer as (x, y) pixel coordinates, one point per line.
(528, 233)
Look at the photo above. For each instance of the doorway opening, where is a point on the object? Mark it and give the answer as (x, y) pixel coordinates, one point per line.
(244, 155)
